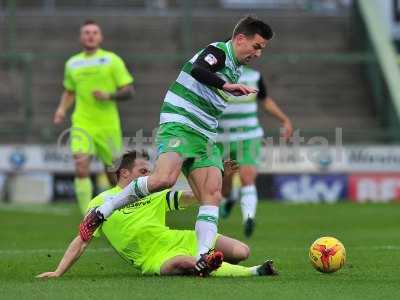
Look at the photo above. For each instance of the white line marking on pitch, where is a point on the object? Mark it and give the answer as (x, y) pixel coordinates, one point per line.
(58, 211)
(39, 251)
(105, 250)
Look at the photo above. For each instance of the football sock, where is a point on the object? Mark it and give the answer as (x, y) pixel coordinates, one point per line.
(102, 182)
(235, 194)
(206, 228)
(229, 270)
(83, 191)
(134, 191)
(235, 190)
(248, 201)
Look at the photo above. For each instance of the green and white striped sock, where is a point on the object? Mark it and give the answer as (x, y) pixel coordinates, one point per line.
(206, 228)
(248, 201)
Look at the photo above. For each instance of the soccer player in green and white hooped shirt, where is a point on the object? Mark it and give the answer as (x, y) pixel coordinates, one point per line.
(239, 139)
(188, 128)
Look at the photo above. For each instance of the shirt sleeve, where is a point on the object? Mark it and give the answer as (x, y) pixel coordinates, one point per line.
(172, 199)
(211, 60)
(121, 74)
(69, 83)
(96, 201)
(262, 89)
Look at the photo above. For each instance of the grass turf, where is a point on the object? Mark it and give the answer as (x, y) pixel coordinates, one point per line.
(33, 239)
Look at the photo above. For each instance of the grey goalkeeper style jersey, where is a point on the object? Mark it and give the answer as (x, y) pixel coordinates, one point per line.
(195, 104)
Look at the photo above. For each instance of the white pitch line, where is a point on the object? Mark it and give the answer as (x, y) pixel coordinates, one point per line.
(58, 211)
(383, 247)
(105, 250)
(48, 251)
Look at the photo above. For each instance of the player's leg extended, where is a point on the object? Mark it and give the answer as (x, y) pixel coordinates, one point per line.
(109, 147)
(179, 265)
(185, 265)
(229, 270)
(234, 251)
(82, 182)
(226, 202)
(248, 197)
(230, 188)
(166, 172)
(168, 167)
(249, 154)
(83, 148)
(206, 184)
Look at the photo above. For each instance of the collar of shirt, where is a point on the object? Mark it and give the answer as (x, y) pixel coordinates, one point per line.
(231, 53)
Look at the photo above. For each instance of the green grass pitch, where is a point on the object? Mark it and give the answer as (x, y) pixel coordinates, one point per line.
(32, 240)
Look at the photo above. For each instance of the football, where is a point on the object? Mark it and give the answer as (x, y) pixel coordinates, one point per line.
(327, 254)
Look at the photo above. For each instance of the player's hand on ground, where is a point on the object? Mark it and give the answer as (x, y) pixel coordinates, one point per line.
(48, 275)
(59, 116)
(230, 167)
(101, 96)
(287, 130)
(238, 89)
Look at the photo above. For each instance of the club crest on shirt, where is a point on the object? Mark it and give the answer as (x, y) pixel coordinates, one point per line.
(210, 59)
(173, 143)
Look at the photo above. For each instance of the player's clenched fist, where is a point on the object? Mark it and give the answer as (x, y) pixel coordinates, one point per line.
(238, 89)
(101, 96)
(59, 116)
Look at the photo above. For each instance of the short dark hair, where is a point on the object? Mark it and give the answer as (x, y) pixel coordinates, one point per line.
(249, 26)
(90, 22)
(127, 160)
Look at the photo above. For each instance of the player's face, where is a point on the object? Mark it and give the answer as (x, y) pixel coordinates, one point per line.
(140, 168)
(249, 48)
(91, 37)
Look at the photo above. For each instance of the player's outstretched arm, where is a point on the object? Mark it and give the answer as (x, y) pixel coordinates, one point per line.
(238, 89)
(67, 99)
(71, 255)
(272, 108)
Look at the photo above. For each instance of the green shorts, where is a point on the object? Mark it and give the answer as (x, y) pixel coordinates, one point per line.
(245, 152)
(196, 150)
(104, 143)
(171, 243)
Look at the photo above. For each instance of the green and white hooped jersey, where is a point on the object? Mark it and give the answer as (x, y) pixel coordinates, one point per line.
(197, 105)
(239, 121)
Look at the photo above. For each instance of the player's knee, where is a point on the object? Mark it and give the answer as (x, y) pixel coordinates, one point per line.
(186, 265)
(81, 170)
(210, 197)
(243, 252)
(248, 176)
(248, 179)
(216, 195)
(183, 267)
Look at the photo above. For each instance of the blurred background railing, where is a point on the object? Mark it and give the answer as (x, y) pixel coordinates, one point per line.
(321, 67)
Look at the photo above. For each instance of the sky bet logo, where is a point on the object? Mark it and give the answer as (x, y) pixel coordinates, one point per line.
(311, 188)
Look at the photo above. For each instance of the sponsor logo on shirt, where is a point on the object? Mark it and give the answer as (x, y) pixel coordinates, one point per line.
(130, 208)
(173, 143)
(210, 59)
(89, 62)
